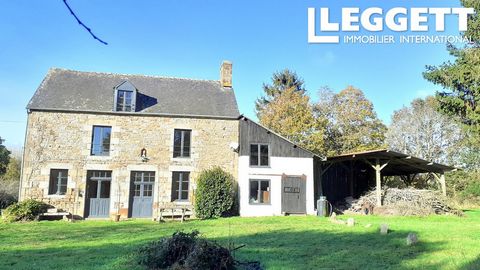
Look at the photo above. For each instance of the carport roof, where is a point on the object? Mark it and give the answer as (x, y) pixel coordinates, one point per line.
(398, 163)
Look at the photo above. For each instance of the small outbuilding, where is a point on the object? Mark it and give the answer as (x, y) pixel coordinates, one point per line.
(275, 175)
(353, 174)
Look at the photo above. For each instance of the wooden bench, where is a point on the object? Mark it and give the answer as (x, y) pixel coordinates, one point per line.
(55, 213)
(181, 211)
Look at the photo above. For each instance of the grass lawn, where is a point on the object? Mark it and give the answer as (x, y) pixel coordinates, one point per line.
(446, 242)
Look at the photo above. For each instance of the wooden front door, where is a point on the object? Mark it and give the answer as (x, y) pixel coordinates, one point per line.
(294, 194)
(98, 194)
(142, 194)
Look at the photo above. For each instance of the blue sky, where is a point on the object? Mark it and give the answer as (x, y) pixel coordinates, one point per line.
(191, 38)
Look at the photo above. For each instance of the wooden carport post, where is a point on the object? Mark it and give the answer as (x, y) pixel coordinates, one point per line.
(322, 172)
(378, 178)
(443, 184)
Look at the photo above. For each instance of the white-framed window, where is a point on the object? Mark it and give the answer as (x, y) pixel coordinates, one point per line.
(259, 191)
(101, 141)
(181, 143)
(124, 101)
(125, 97)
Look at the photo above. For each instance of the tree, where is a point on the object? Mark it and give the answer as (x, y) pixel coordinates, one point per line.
(281, 81)
(12, 173)
(460, 82)
(474, 22)
(352, 122)
(290, 114)
(422, 131)
(4, 157)
(9, 183)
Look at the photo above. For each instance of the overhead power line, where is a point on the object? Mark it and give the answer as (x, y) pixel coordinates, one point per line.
(83, 25)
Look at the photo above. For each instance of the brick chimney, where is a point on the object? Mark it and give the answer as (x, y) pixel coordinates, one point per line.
(226, 74)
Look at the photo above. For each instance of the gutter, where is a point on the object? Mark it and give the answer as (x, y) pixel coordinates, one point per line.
(137, 114)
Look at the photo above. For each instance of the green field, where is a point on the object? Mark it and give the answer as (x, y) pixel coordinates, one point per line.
(446, 242)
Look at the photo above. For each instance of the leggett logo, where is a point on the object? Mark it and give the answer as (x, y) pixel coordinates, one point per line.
(375, 19)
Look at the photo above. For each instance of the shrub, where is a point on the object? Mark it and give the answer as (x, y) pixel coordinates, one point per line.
(464, 186)
(6, 199)
(184, 251)
(24, 211)
(215, 195)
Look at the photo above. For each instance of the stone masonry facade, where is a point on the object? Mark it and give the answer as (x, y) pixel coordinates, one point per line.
(62, 140)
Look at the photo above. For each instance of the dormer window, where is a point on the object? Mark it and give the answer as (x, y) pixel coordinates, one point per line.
(124, 101)
(125, 97)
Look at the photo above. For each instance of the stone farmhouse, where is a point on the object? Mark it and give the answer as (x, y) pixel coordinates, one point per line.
(99, 145)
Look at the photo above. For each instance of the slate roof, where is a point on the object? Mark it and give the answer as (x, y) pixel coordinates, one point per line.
(69, 90)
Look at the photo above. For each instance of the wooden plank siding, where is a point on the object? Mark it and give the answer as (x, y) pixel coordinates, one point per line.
(251, 132)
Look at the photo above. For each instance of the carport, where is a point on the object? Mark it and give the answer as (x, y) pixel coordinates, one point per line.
(353, 174)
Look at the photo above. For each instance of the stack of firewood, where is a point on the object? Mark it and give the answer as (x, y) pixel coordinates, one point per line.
(407, 201)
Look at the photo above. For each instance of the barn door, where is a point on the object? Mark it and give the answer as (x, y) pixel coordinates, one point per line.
(294, 195)
(142, 193)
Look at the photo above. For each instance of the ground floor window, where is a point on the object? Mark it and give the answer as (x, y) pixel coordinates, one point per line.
(259, 191)
(143, 183)
(180, 184)
(58, 182)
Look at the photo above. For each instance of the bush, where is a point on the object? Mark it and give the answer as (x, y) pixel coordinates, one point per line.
(184, 251)
(6, 199)
(464, 186)
(215, 195)
(24, 211)
(9, 183)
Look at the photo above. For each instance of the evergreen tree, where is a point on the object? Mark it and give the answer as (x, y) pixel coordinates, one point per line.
(290, 114)
(281, 81)
(460, 82)
(4, 157)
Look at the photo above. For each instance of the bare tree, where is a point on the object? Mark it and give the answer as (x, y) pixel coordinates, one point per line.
(420, 130)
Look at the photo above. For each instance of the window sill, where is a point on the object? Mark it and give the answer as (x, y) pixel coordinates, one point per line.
(260, 204)
(99, 157)
(182, 158)
(182, 202)
(58, 196)
(126, 112)
(260, 167)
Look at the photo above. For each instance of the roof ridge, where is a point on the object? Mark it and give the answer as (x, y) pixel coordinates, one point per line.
(126, 74)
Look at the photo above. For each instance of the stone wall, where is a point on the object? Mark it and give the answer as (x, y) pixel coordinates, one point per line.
(57, 140)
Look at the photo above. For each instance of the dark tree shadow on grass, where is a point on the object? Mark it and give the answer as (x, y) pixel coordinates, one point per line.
(275, 249)
(333, 250)
(473, 265)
